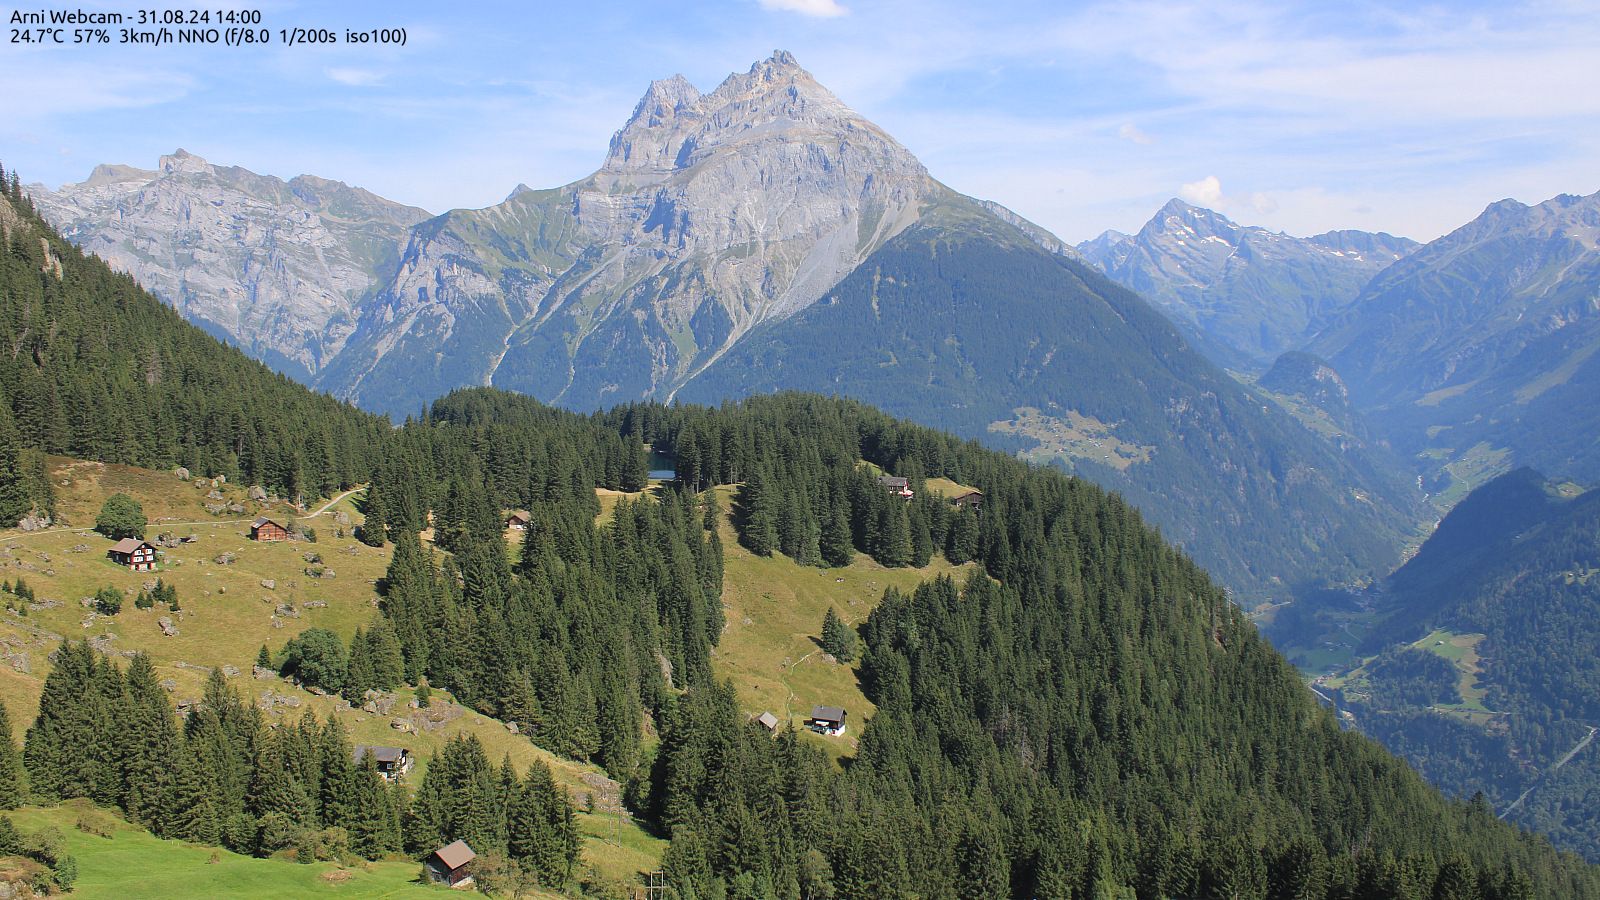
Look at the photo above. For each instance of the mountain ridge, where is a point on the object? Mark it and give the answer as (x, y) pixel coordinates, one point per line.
(1243, 293)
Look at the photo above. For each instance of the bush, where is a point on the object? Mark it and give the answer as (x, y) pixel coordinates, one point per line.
(108, 601)
(121, 517)
(317, 657)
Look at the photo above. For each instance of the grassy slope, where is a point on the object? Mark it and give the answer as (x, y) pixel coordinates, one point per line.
(227, 615)
(774, 612)
(131, 864)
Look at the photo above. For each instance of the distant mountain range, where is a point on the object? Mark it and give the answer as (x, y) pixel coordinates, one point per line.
(765, 236)
(1242, 293)
(1477, 353)
(278, 268)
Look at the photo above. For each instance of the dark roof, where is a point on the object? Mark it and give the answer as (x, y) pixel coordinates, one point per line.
(828, 713)
(454, 856)
(263, 521)
(128, 545)
(381, 754)
(893, 480)
(517, 514)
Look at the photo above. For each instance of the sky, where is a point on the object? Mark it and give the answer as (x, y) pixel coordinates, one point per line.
(1298, 116)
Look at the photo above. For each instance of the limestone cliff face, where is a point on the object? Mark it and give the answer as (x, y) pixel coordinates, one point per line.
(711, 213)
(275, 267)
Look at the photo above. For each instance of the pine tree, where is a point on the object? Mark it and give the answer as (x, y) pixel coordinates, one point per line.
(838, 639)
(836, 546)
(373, 531)
(10, 765)
(14, 499)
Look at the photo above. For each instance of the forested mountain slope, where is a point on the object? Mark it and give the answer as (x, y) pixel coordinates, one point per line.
(1476, 353)
(965, 325)
(1512, 577)
(719, 219)
(1087, 715)
(94, 367)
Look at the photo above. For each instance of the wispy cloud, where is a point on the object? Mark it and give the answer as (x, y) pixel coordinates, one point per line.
(822, 9)
(1131, 132)
(356, 77)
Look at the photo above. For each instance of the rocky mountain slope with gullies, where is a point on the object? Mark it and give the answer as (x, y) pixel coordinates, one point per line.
(1244, 294)
(711, 213)
(276, 267)
(1478, 352)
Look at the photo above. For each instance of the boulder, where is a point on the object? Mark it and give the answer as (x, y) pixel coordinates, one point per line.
(257, 493)
(341, 517)
(166, 626)
(230, 671)
(169, 684)
(225, 559)
(214, 495)
(269, 583)
(262, 673)
(182, 473)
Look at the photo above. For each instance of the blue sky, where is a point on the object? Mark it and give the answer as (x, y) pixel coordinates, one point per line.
(1082, 116)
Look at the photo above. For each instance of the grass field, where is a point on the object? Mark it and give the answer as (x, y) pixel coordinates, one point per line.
(774, 610)
(227, 613)
(1462, 651)
(132, 864)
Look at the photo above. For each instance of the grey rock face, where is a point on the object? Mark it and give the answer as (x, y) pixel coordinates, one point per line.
(1244, 294)
(711, 214)
(276, 267)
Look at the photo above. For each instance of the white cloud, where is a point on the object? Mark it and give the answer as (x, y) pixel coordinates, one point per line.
(1205, 192)
(356, 77)
(822, 9)
(1131, 132)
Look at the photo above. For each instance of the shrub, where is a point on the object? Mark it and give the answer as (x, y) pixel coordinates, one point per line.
(121, 517)
(108, 601)
(317, 657)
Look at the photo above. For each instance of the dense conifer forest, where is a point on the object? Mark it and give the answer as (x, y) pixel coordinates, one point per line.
(1085, 715)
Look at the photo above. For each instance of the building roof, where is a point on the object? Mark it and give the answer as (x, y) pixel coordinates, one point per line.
(127, 545)
(263, 521)
(455, 855)
(517, 514)
(768, 720)
(381, 754)
(893, 480)
(828, 713)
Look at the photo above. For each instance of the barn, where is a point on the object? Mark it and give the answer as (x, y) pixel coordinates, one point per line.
(264, 529)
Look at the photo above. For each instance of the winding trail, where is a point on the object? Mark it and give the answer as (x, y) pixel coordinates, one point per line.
(1578, 748)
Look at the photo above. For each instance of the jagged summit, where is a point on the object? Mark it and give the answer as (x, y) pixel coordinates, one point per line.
(675, 127)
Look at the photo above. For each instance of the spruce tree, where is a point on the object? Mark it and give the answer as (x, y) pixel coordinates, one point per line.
(838, 639)
(836, 546)
(10, 764)
(14, 499)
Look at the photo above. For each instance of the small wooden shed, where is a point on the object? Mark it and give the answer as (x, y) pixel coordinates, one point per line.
(264, 529)
(448, 864)
(517, 520)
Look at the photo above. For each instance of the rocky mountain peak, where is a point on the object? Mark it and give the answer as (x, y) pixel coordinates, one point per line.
(675, 127)
(1178, 218)
(181, 160)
